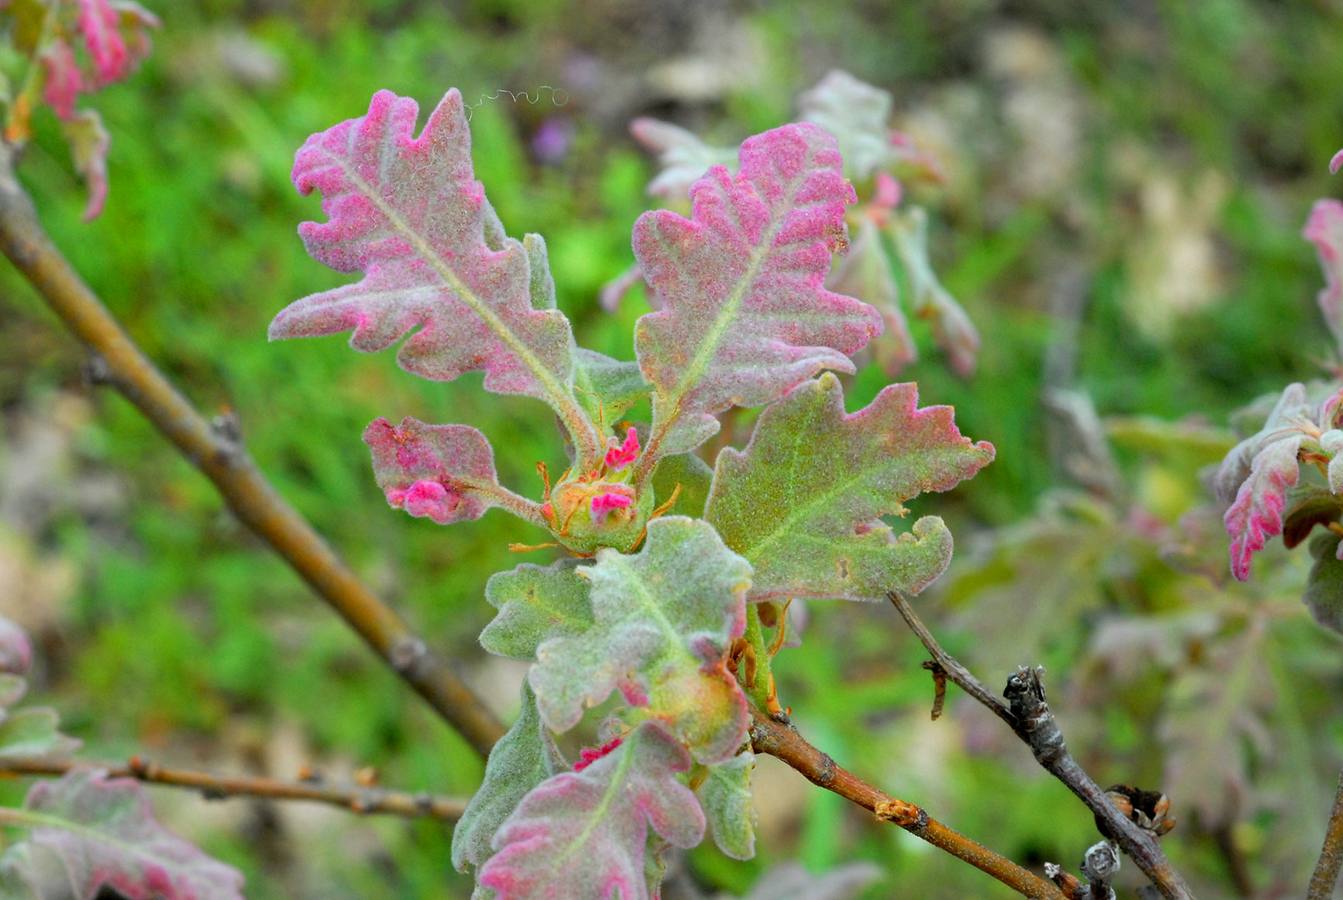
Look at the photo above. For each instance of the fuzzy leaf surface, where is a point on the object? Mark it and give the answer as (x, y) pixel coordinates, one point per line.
(408, 213)
(586, 833)
(441, 472)
(1257, 474)
(522, 759)
(34, 731)
(535, 603)
(744, 313)
(694, 477)
(89, 833)
(664, 619)
(726, 798)
(802, 503)
(607, 387)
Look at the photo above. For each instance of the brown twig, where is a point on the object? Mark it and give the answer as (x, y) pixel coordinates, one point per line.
(361, 800)
(1030, 719)
(1324, 878)
(783, 742)
(221, 457)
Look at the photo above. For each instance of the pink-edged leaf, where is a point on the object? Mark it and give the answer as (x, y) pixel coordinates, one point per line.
(1324, 229)
(441, 472)
(664, 619)
(584, 834)
(116, 34)
(802, 503)
(1336, 163)
(1287, 415)
(745, 314)
(408, 212)
(952, 328)
(88, 147)
(522, 759)
(1256, 513)
(90, 833)
(865, 272)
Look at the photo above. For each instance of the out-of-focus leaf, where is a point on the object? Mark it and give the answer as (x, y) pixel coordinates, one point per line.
(522, 759)
(34, 731)
(952, 328)
(1211, 720)
(664, 619)
(408, 213)
(683, 156)
(88, 832)
(726, 798)
(88, 147)
(442, 472)
(692, 474)
(535, 603)
(16, 651)
(802, 503)
(865, 272)
(858, 115)
(1324, 229)
(584, 833)
(744, 312)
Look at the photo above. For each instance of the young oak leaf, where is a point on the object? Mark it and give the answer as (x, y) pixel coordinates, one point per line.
(802, 502)
(408, 212)
(535, 603)
(89, 834)
(441, 472)
(952, 328)
(725, 795)
(1255, 476)
(858, 115)
(522, 759)
(664, 619)
(588, 831)
(683, 156)
(744, 311)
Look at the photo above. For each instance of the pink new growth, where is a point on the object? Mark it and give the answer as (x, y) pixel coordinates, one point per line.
(1336, 163)
(426, 499)
(98, 24)
(1256, 514)
(587, 756)
(1324, 229)
(604, 504)
(619, 457)
(63, 81)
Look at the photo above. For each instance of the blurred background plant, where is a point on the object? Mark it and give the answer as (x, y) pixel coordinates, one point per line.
(1120, 216)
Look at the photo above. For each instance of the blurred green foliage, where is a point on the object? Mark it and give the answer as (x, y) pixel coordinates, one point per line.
(184, 638)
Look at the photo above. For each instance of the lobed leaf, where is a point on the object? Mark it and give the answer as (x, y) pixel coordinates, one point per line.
(408, 213)
(1256, 475)
(522, 759)
(663, 620)
(1324, 229)
(726, 798)
(33, 732)
(744, 314)
(535, 603)
(802, 503)
(587, 831)
(607, 387)
(90, 834)
(691, 474)
(441, 472)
